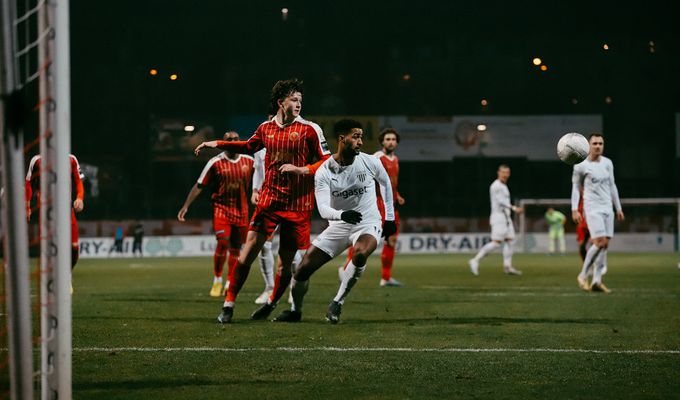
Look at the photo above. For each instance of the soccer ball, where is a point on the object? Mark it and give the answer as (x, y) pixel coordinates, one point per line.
(573, 148)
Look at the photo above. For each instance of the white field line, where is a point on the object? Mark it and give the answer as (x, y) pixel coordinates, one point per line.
(361, 350)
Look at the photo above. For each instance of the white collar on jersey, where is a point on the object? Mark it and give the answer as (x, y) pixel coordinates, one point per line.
(297, 119)
(235, 160)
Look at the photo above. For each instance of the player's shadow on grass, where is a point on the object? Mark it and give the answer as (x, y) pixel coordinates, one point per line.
(478, 321)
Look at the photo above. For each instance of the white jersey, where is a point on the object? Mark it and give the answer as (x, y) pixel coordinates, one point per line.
(258, 168)
(352, 187)
(500, 201)
(599, 189)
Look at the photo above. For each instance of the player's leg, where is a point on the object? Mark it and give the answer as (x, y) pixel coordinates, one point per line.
(222, 232)
(312, 260)
(562, 242)
(552, 235)
(266, 259)
(365, 239)
(75, 249)
(387, 257)
(341, 269)
(261, 227)
(601, 264)
(508, 251)
(596, 227)
(294, 235)
(331, 242)
(293, 267)
(498, 230)
(236, 240)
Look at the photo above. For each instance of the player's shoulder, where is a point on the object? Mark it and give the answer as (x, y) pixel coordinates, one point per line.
(607, 161)
(379, 154)
(310, 124)
(247, 158)
(215, 159)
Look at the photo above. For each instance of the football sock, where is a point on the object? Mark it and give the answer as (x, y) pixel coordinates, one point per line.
(508, 249)
(241, 272)
(299, 289)
(600, 266)
(217, 279)
(281, 282)
(267, 264)
(591, 255)
(387, 257)
(219, 257)
(231, 264)
(350, 278)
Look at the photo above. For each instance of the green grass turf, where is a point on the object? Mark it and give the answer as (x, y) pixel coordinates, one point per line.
(163, 303)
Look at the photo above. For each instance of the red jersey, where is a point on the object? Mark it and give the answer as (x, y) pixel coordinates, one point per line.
(301, 143)
(391, 165)
(229, 180)
(33, 178)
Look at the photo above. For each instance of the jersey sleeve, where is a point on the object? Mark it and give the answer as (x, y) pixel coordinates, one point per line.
(322, 192)
(258, 169)
(576, 187)
(251, 146)
(206, 175)
(76, 175)
(380, 175)
(498, 196)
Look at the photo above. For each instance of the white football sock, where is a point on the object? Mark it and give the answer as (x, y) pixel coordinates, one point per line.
(349, 279)
(508, 249)
(267, 264)
(600, 266)
(217, 279)
(591, 255)
(298, 289)
(485, 250)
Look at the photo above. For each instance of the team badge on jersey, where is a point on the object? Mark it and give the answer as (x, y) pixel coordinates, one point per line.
(244, 169)
(294, 135)
(361, 176)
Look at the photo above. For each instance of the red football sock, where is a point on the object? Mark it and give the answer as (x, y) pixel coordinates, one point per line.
(233, 260)
(387, 257)
(281, 282)
(219, 258)
(75, 254)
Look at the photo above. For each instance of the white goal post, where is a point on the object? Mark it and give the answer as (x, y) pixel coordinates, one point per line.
(524, 203)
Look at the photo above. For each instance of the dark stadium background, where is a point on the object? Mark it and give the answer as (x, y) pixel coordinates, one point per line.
(353, 57)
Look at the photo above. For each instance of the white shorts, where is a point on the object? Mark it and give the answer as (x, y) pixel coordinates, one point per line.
(600, 223)
(502, 229)
(340, 235)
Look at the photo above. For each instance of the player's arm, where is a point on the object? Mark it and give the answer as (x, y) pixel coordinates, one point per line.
(28, 196)
(499, 198)
(322, 193)
(318, 146)
(615, 195)
(78, 204)
(385, 185)
(193, 194)
(576, 186)
(250, 146)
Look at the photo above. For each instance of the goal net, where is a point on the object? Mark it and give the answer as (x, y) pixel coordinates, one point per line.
(651, 225)
(35, 90)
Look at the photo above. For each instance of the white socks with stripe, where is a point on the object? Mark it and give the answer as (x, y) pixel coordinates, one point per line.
(349, 279)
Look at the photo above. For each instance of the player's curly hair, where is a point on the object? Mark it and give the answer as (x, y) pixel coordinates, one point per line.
(345, 126)
(283, 89)
(387, 131)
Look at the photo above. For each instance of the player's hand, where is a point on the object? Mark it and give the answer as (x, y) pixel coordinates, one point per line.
(182, 212)
(255, 197)
(351, 217)
(211, 144)
(400, 200)
(518, 210)
(78, 205)
(389, 229)
(620, 216)
(290, 168)
(576, 217)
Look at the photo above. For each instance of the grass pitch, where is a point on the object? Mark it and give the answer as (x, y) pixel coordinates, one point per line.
(146, 329)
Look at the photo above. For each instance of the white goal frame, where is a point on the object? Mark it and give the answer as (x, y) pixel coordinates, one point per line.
(652, 201)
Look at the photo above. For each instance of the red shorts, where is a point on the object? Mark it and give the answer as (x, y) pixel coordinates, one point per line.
(381, 208)
(225, 229)
(295, 226)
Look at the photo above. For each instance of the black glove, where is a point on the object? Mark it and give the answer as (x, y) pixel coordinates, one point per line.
(389, 229)
(351, 217)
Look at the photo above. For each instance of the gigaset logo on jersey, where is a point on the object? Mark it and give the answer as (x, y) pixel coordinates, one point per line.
(351, 192)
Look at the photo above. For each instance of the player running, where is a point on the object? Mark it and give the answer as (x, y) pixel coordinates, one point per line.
(595, 175)
(228, 176)
(346, 196)
(295, 150)
(502, 228)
